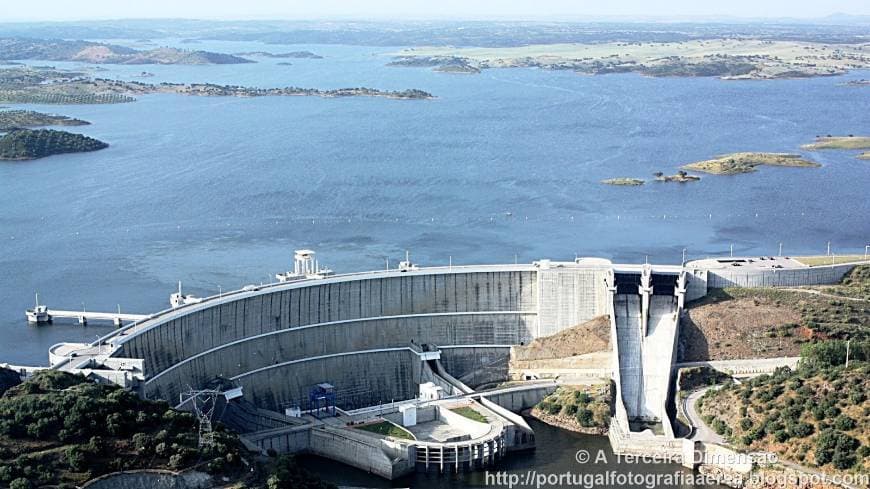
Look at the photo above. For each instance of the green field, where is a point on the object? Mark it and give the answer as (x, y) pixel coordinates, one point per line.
(470, 413)
(385, 428)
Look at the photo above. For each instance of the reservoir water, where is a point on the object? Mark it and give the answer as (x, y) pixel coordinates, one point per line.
(501, 166)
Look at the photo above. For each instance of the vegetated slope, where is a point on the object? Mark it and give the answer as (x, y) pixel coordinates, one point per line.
(591, 336)
(577, 408)
(818, 415)
(26, 144)
(11, 119)
(740, 323)
(60, 430)
(94, 52)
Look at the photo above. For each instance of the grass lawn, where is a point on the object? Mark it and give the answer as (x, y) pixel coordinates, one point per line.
(814, 261)
(386, 428)
(470, 413)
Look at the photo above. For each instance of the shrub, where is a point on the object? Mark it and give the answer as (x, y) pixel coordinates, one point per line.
(745, 424)
(75, 459)
(781, 435)
(585, 417)
(582, 398)
(803, 430)
(20, 483)
(844, 423)
(554, 408)
(832, 445)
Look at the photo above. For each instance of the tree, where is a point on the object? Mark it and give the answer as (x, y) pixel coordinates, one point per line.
(20, 483)
(585, 417)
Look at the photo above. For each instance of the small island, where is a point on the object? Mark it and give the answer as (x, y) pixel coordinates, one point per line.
(27, 144)
(441, 64)
(864, 156)
(736, 163)
(680, 177)
(624, 181)
(838, 142)
(11, 119)
(293, 54)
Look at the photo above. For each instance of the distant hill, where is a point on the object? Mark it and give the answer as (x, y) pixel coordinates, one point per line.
(94, 52)
(27, 144)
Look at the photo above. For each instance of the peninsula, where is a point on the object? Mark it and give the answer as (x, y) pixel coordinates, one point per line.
(11, 119)
(727, 58)
(735, 163)
(27, 144)
(94, 52)
(52, 86)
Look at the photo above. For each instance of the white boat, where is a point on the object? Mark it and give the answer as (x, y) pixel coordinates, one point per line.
(39, 313)
(305, 266)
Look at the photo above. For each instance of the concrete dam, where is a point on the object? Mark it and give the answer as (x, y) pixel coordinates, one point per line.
(408, 347)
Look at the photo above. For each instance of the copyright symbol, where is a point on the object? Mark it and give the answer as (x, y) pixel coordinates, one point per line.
(582, 456)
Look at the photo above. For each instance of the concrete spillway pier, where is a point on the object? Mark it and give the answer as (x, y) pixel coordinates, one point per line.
(364, 334)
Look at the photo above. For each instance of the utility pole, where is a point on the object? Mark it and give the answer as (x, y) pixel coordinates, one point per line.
(684, 256)
(732, 251)
(780, 248)
(848, 342)
(829, 248)
(866, 251)
(450, 263)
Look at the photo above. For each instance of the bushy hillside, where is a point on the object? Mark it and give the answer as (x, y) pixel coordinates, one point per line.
(26, 144)
(60, 429)
(817, 415)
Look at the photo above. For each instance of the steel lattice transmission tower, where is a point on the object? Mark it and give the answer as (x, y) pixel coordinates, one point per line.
(203, 401)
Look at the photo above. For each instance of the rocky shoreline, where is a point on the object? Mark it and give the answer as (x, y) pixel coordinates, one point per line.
(563, 422)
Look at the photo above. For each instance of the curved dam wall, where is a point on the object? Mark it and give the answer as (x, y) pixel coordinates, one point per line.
(354, 331)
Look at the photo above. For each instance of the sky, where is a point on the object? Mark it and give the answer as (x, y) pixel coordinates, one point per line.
(13, 10)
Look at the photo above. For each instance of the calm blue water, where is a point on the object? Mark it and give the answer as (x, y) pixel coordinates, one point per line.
(219, 191)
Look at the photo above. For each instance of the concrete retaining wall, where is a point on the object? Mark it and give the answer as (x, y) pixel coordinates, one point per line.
(568, 297)
(374, 377)
(368, 453)
(476, 366)
(737, 277)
